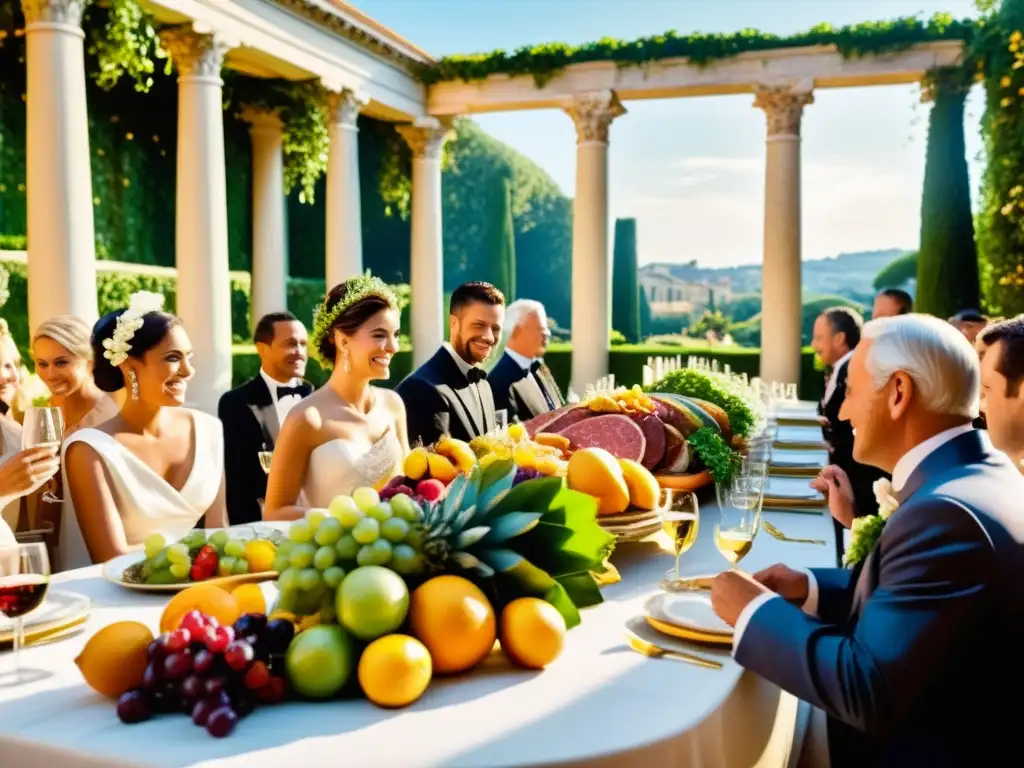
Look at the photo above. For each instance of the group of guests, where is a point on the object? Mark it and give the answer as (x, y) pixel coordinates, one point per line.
(909, 656)
(134, 460)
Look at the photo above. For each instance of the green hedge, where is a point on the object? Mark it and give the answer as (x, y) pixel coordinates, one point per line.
(626, 362)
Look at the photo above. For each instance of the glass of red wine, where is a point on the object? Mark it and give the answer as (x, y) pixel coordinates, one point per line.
(24, 581)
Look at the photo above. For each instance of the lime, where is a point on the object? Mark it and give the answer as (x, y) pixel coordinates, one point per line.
(372, 601)
(319, 661)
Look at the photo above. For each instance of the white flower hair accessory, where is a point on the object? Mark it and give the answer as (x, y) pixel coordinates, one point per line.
(117, 347)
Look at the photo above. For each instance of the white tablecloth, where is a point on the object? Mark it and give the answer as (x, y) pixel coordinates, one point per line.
(599, 704)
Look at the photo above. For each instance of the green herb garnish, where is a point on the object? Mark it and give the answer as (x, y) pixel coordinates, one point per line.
(722, 461)
(691, 383)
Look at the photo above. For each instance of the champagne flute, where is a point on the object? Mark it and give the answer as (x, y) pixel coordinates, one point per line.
(501, 420)
(24, 581)
(44, 425)
(739, 503)
(680, 519)
(265, 457)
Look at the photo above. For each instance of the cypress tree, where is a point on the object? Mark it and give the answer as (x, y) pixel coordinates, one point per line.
(500, 243)
(947, 263)
(625, 286)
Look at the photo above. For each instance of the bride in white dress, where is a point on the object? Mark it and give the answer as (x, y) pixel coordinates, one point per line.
(348, 433)
(155, 466)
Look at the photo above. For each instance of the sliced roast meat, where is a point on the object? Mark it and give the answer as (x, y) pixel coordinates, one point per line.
(654, 433)
(619, 435)
(540, 422)
(677, 453)
(568, 418)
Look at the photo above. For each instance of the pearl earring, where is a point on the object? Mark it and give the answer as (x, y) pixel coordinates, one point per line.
(134, 382)
(346, 363)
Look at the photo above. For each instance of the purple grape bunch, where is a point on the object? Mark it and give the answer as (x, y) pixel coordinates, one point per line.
(523, 474)
(215, 674)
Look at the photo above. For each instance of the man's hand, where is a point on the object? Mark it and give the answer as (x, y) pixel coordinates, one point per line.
(833, 482)
(783, 580)
(731, 592)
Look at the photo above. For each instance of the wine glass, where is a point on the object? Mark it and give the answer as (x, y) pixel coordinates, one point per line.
(791, 393)
(680, 519)
(501, 420)
(24, 581)
(739, 503)
(43, 425)
(265, 457)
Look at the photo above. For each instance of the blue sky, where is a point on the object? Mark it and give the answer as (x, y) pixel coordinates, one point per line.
(691, 171)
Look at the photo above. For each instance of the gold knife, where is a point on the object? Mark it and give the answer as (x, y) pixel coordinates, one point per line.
(653, 651)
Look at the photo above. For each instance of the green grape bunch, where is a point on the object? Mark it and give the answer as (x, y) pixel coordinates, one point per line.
(353, 531)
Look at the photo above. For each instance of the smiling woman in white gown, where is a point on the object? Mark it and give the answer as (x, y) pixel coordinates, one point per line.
(347, 434)
(155, 467)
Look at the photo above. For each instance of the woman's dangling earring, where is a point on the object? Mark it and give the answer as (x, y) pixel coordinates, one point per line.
(346, 363)
(134, 382)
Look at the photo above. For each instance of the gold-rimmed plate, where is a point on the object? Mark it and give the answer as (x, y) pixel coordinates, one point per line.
(796, 461)
(781, 491)
(688, 616)
(60, 611)
(807, 437)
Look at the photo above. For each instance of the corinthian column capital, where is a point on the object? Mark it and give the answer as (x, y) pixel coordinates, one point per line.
(67, 12)
(194, 54)
(783, 106)
(426, 136)
(344, 106)
(593, 113)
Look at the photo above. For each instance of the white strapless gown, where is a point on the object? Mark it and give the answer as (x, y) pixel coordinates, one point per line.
(146, 502)
(340, 466)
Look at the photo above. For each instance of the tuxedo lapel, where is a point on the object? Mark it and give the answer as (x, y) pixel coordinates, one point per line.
(487, 404)
(528, 391)
(262, 406)
(459, 406)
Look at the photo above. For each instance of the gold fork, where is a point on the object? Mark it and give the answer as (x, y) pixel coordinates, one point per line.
(775, 533)
(653, 651)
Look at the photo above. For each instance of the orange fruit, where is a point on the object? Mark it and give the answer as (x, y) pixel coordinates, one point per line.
(532, 632)
(250, 598)
(394, 670)
(454, 619)
(115, 658)
(205, 598)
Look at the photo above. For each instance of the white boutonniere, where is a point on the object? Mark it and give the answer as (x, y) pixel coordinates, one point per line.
(865, 530)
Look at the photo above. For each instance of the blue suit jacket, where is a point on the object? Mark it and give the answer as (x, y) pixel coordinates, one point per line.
(916, 654)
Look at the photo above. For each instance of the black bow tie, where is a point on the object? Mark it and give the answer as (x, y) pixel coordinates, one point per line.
(285, 391)
(535, 366)
(475, 374)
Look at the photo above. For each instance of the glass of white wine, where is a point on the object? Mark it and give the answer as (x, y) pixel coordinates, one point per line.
(43, 425)
(680, 519)
(739, 503)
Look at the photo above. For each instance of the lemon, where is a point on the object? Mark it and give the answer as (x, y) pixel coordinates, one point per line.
(115, 658)
(532, 632)
(394, 670)
(260, 554)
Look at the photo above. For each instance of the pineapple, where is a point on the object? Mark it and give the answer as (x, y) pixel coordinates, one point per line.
(536, 538)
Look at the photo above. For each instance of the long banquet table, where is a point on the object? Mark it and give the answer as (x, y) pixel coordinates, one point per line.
(600, 704)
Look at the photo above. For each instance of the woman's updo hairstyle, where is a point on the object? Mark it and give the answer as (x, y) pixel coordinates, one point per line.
(70, 332)
(155, 326)
(346, 308)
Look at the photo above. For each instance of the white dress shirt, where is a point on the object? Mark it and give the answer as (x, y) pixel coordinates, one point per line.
(904, 468)
(522, 361)
(830, 387)
(285, 404)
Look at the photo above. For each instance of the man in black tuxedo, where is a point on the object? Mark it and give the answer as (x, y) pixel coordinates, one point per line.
(252, 414)
(449, 394)
(522, 384)
(1001, 346)
(836, 334)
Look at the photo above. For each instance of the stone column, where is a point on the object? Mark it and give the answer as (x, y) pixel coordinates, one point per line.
(780, 282)
(426, 137)
(591, 260)
(61, 238)
(344, 213)
(269, 292)
(201, 222)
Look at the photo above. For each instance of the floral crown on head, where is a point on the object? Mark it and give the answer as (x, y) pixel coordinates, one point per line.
(356, 289)
(117, 347)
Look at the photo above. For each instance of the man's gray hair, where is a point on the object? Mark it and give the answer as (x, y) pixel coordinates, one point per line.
(936, 356)
(520, 309)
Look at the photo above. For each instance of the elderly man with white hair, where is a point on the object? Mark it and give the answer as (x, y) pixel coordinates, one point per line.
(914, 650)
(520, 381)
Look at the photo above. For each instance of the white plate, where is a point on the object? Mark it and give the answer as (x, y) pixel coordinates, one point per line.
(58, 609)
(688, 610)
(802, 436)
(113, 570)
(782, 488)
